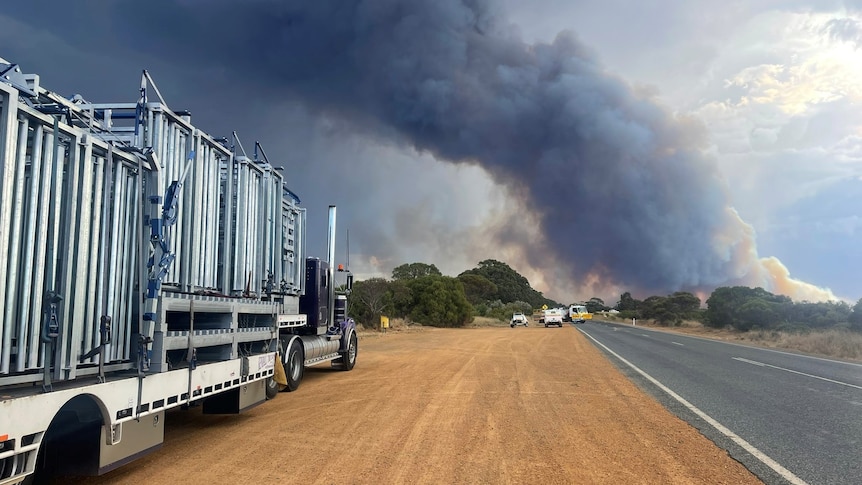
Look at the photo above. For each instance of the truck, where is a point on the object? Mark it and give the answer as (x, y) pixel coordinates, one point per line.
(578, 314)
(553, 316)
(146, 266)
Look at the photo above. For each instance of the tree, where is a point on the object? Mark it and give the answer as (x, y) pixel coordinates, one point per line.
(725, 307)
(684, 303)
(627, 303)
(596, 305)
(855, 318)
(721, 307)
(669, 310)
(755, 313)
(401, 297)
(414, 270)
(658, 308)
(369, 299)
(477, 288)
(503, 311)
(439, 301)
(745, 308)
(511, 286)
(821, 314)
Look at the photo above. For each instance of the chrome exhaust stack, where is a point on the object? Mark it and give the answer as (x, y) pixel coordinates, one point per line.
(330, 259)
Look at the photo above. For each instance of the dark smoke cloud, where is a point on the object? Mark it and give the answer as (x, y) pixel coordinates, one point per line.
(622, 190)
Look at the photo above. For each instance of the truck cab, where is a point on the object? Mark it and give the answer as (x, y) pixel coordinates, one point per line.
(579, 314)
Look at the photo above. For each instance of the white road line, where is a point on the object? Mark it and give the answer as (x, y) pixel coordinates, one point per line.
(677, 343)
(785, 473)
(761, 364)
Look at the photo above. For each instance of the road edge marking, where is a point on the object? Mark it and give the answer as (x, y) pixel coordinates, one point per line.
(766, 460)
(761, 364)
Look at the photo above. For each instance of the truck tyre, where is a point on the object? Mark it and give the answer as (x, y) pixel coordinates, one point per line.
(294, 365)
(348, 358)
(271, 388)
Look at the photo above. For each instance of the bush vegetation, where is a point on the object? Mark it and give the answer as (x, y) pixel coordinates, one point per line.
(744, 309)
(510, 286)
(420, 293)
(836, 342)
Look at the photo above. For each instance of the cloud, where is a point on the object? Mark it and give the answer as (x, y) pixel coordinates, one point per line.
(785, 125)
(844, 29)
(611, 189)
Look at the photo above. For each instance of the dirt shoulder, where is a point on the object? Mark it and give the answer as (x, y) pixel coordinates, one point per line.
(482, 405)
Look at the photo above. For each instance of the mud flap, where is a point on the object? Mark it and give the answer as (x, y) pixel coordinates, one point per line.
(278, 372)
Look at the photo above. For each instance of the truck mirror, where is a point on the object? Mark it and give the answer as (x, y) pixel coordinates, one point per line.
(349, 282)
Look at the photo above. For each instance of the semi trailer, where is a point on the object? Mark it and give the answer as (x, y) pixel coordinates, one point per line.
(146, 265)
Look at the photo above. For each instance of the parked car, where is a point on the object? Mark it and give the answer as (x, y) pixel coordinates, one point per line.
(518, 319)
(553, 316)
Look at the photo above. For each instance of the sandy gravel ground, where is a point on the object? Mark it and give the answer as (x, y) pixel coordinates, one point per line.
(440, 406)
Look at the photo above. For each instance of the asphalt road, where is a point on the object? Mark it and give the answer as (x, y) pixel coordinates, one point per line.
(799, 413)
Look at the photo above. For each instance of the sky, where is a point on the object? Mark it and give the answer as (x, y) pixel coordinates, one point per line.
(595, 146)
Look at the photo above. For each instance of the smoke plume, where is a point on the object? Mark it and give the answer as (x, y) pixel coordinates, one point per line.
(622, 192)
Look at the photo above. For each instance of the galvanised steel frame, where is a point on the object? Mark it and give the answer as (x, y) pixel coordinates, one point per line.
(73, 216)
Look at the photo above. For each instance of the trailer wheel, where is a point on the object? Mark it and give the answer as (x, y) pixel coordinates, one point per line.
(294, 365)
(348, 358)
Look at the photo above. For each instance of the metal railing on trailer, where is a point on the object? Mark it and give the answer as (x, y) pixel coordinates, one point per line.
(68, 219)
(71, 223)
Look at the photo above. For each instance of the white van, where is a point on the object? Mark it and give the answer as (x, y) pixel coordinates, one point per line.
(553, 316)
